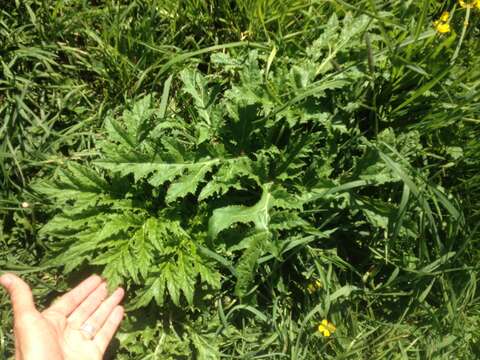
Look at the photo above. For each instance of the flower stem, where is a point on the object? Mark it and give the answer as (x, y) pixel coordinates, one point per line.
(462, 36)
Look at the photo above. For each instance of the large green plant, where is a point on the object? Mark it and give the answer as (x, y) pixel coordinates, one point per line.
(234, 182)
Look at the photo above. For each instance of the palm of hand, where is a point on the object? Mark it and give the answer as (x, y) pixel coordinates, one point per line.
(51, 334)
(56, 333)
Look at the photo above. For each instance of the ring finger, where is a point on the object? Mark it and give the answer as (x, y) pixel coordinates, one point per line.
(98, 318)
(88, 306)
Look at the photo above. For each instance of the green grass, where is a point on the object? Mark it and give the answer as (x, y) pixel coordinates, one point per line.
(393, 234)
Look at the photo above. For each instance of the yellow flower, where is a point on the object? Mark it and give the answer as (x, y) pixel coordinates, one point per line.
(469, 3)
(442, 27)
(314, 286)
(445, 16)
(326, 328)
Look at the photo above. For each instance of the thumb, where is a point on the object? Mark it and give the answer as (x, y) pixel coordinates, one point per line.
(20, 294)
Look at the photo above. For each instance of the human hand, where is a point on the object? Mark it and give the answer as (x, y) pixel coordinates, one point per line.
(77, 326)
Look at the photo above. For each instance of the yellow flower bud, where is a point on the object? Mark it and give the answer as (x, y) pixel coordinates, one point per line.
(314, 286)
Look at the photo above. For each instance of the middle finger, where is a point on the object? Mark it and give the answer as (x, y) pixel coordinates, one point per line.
(88, 306)
(101, 315)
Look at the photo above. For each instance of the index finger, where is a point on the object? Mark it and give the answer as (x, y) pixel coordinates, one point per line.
(70, 301)
(20, 293)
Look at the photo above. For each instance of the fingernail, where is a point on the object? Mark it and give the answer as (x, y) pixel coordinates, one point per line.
(6, 280)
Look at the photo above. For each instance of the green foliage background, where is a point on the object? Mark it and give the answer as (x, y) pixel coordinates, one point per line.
(216, 158)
